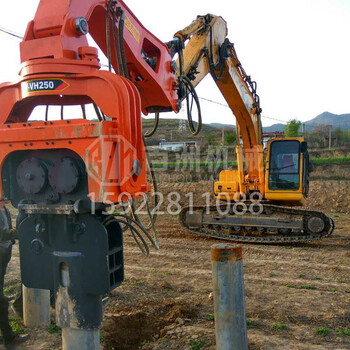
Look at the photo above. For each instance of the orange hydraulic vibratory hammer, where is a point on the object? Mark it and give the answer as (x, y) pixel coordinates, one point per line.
(58, 173)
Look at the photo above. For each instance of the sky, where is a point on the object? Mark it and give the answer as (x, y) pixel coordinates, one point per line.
(298, 51)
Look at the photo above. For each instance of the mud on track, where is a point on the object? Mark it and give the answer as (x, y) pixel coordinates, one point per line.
(165, 301)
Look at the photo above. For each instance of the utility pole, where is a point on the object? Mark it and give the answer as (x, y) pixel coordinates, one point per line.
(303, 130)
(330, 138)
(223, 137)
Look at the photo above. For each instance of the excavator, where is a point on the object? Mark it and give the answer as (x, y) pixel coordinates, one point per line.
(65, 174)
(260, 197)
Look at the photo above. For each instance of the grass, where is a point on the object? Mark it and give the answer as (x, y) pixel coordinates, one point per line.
(279, 327)
(16, 326)
(315, 278)
(333, 290)
(341, 281)
(343, 332)
(144, 342)
(322, 331)
(302, 275)
(301, 287)
(53, 329)
(325, 161)
(252, 324)
(9, 289)
(307, 287)
(211, 318)
(197, 345)
(272, 275)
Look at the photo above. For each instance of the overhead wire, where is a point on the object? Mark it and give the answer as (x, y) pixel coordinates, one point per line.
(227, 106)
(11, 32)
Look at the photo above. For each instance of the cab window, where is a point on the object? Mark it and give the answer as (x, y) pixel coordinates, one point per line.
(284, 165)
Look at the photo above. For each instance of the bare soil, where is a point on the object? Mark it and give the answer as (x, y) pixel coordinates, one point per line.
(297, 297)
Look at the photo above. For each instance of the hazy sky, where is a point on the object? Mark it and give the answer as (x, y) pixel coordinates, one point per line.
(298, 51)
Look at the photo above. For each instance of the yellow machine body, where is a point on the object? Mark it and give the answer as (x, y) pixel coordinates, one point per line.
(286, 175)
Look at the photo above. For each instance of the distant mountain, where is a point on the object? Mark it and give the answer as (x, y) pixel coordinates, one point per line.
(222, 126)
(273, 128)
(338, 121)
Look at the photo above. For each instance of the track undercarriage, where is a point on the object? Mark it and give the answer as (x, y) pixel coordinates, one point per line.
(261, 223)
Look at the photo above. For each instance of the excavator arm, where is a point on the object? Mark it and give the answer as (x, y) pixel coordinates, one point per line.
(207, 50)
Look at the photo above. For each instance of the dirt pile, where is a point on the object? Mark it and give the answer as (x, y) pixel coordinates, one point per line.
(128, 329)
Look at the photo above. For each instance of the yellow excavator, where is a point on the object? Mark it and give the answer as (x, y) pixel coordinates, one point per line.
(256, 203)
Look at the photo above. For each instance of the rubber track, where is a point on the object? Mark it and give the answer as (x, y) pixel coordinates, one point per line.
(287, 238)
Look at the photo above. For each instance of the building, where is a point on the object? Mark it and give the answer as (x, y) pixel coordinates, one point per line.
(185, 146)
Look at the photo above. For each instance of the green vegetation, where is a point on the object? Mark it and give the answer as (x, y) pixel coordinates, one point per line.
(319, 137)
(252, 324)
(144, 342)
(292, 128)
(333, 290)
(279, 327)
(301, 287)
(54, 329)
(197, 345)
(322, 331)
(211, 317)
(16, 326)
(326, 161)
(307, 287)
(302, 275)
(210, 138)
(9, 289)
(230, 139)
(343, 332)
(315, 278)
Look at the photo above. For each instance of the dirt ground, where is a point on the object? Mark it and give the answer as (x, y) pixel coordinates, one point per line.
(297, 297)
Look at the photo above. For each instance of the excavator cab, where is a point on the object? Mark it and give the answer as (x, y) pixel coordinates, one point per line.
(286, 174)
(287, 171)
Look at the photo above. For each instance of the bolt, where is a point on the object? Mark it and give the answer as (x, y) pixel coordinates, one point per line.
(29, 176)
(37, 246)
(79, 228)
(81, 26)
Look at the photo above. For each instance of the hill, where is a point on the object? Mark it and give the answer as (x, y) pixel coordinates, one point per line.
(177, 130)
(338, 121)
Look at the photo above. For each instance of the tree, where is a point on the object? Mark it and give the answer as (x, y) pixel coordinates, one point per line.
(210, 139)
(292, 128)
(230, 139)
